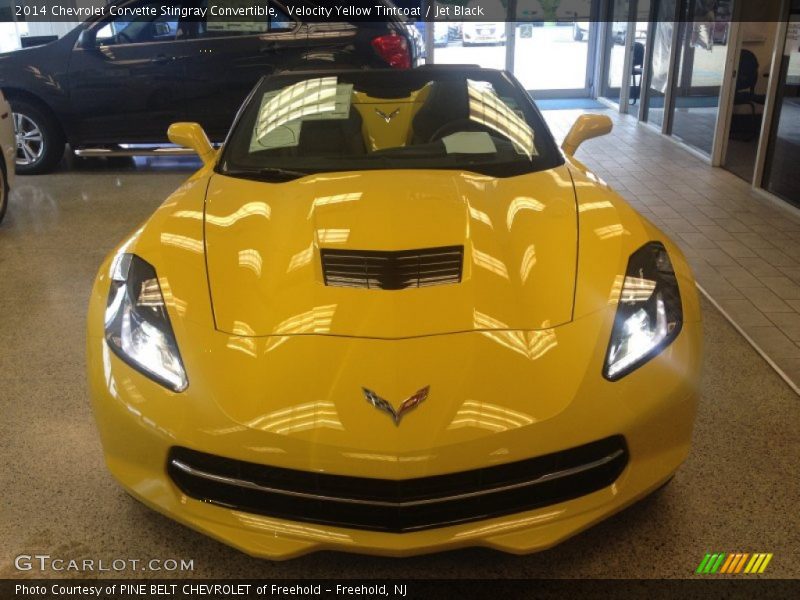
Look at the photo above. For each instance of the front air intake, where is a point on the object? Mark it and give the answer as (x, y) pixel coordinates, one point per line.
(392, 270)
(399, 505)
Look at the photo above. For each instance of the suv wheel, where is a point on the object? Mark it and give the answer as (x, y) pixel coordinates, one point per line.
(40, 144)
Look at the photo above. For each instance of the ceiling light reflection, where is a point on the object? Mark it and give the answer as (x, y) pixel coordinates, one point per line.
(251, 259)
(594, 206)
(334, 199)
(528, 262)
(530, 344)
(291, 529)
(333, 236)
(506, 525)
(183, 242)
(487, 108)
(311, 415)
(518, 204)
(610, 231)
(479, 215)
(490, 263)
(484, 415)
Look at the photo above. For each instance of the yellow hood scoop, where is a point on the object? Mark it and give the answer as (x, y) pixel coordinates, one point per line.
(382, 270)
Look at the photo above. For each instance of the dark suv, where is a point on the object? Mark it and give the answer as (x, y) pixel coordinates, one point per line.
(123, 80)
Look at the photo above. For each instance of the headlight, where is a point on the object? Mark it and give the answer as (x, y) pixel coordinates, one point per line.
(137, 324)
(649, 314)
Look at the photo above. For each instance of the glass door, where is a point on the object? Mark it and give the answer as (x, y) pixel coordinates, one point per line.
(624, 50)
(660, 63)
(749, 83)
(703, 38)
(614, 48)
(781, 173)
(553, 58)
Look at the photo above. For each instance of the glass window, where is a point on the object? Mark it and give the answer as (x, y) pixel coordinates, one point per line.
(416, 119)
(660, 60)
(220, 26)
(139, 30)
(470, 43)
(782, 176)
(553, 56)
(701, 64)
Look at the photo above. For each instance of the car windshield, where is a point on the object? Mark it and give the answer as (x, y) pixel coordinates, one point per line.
(460, 119)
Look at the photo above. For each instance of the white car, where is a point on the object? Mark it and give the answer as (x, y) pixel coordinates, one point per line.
(484, 33)
(8, 146)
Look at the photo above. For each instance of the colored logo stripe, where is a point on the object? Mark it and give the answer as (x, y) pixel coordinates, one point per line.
(736, 562)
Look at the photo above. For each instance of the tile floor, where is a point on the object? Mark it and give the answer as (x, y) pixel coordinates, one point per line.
(745, 249)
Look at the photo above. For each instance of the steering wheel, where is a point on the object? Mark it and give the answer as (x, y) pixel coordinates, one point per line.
(459, 125)
(124, 38)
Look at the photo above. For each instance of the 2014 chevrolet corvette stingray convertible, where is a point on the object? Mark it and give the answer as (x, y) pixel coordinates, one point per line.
(390, 315)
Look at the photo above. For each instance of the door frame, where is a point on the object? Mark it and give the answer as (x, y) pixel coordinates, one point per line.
(645, 96)
(605, 46)
(772, 95)
(727, 91)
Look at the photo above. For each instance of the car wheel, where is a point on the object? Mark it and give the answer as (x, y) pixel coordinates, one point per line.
(40, 143)
(3, 194)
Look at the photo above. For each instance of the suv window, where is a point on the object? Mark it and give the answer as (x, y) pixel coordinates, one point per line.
(218, 26)
(138, 30)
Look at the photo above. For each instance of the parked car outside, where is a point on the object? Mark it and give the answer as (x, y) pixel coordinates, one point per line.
(483, 33)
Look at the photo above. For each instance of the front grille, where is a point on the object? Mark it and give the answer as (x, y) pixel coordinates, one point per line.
(392, 270)
(398, 505)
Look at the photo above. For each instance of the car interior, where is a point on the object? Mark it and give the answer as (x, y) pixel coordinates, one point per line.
(378, 125)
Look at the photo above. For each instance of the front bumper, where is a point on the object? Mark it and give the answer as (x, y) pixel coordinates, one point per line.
(653, 409)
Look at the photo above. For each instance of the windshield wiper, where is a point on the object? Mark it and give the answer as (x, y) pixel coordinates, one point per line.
(266, 173)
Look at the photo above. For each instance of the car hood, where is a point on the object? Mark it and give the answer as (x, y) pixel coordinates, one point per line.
(263, 243)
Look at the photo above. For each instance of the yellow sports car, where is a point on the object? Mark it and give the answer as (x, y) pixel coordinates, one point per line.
(391, 316)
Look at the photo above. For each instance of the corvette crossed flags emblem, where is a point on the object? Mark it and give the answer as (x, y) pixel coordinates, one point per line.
(388, 117)
(406, 405)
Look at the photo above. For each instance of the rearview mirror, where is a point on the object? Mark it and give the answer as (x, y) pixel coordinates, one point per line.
(585, 128)
(191, 135)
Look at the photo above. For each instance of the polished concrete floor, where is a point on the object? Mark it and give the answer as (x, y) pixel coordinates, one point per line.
(737, 492)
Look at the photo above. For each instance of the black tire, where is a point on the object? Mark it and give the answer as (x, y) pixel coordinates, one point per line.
(50, 151)
(3, 193)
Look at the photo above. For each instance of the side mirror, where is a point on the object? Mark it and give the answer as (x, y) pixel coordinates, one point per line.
(191, 135)
(87, 40)
(161, 28)
(585, 128)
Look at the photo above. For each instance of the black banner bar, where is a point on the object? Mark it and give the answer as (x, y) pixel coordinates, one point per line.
(354, 11)
(701, 587)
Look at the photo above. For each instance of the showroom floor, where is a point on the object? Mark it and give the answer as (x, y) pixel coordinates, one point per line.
(737, 492)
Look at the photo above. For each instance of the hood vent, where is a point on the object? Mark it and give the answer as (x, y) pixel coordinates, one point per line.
(392, 270)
